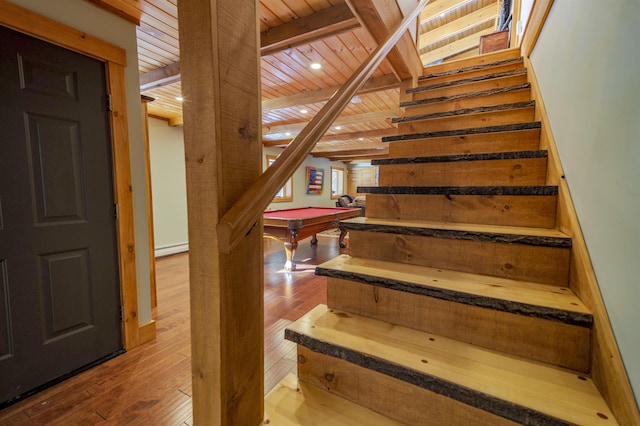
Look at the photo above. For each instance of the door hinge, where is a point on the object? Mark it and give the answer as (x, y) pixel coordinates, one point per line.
(116, 213)
(109, 103)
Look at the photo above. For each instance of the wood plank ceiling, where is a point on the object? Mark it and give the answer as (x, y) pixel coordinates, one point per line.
(294, 35)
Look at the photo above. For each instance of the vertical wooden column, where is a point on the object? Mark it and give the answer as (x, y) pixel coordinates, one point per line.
(147, 171)
(221, 88)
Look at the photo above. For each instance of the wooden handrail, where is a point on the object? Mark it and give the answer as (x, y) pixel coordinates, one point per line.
(244, 214)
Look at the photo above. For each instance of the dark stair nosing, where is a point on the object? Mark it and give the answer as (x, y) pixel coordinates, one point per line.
(511, 73)
(496, 91)
(462, 132)
(520, 308)
(465, 111)
(454, 234)
(461, 190)
(462, 157)
(472, 397)
(471, 68)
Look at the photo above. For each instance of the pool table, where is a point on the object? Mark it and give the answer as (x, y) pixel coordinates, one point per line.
(293, 225)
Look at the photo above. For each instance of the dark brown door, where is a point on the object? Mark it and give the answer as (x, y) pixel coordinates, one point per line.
(59, 289)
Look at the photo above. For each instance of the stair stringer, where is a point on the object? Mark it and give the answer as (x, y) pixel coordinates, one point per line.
(607, 367)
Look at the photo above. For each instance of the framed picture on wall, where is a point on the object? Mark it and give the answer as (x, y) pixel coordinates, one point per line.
(315, 180)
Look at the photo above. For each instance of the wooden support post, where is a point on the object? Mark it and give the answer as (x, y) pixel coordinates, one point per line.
(221, 86)
(147, 171)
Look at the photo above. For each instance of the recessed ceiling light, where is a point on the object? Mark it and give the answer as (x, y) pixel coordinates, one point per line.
(316, 66)
(338, 127)
(179, 98)
(442, 14)
(356, 99)
(288, 134)
(360, 139)
(303, 111)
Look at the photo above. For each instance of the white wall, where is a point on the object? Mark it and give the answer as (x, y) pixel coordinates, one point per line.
(169, 187)
(587, 62)
(300, 197)
(85, 17)
(166, 145)
(525, 12)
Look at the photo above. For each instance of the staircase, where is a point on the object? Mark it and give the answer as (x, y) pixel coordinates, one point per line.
(454, 305)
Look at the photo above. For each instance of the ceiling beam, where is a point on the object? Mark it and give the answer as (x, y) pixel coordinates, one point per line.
(367, 134)
(354, 157)
(380, 17)
(350, 152)
(455, 47)
(342, 120)
(436, 8)
(374, 84)
(324, 23)
(480, 16)
(160, 77)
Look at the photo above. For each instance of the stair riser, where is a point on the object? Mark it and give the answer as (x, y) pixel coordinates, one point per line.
(521, 140)
(392, 397)
(511, 210)
(488, 58)
(548, 265)
(534, 338)
(471, 102)
(468, 74)
(520, 171)
(470, 87)
(495, 118)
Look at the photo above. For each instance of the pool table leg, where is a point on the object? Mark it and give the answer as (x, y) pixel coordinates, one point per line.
(314, 240)
(341, 239)
(290, 250)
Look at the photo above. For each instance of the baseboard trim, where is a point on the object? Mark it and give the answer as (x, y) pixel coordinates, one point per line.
(173, 249)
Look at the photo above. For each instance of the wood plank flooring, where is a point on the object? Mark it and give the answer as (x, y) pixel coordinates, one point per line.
(151, 384)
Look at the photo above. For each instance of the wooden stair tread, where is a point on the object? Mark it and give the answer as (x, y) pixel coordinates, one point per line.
(471, 68)
(496, 91)
(511, 387)
(462, 81)
(293, 402)
(484, 58)
(461, 190)
(461, 157)
(503, 294)
(497, 233)
(462, 132)
(464, 111)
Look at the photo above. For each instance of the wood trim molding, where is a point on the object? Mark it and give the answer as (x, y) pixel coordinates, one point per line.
(36, 25)
(147, 332)
(607, 367)
(147, 171)
(124, 201)
(514, 40)
(28, 22)
(538, 16)
(122, 8)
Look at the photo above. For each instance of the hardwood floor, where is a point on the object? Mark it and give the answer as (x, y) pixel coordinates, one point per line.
(151, 384)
